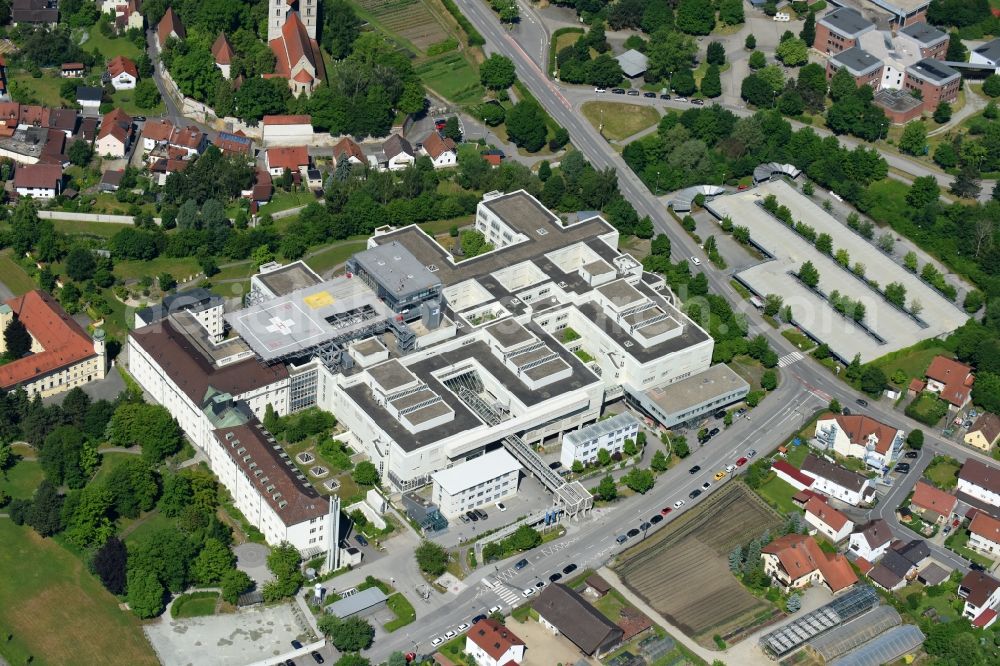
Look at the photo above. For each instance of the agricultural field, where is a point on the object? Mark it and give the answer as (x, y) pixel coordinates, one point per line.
(683, 570)
(452, 77)
(415, 21)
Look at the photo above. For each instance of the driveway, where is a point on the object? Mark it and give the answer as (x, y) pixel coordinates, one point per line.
(252, 558)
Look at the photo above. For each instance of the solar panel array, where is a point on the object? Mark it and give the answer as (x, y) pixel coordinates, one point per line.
(885, 649)
(796, 633)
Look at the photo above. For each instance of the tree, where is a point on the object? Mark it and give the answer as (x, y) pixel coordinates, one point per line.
(606, 489)
(942, 113)
(577, 467)
(145, 593)
(986, 391)
(44, 513)
(966, 184)
(66, 457)
(679, 445)
(151, 425)
(682, 82)
(750, 43)
(497, 72)
(716, 54)
(16, 339)
(895, 293)
(668, 52)
(792, 52)
(772, 304)
(234, 583)
(259, 97)
(915, 440)
(525, 538)
(695, 17)
(396, 659)
(351, 659)
(604, 71)
(639, 480)
(526, 125)
(167, 281)
(873, 380)
(914, 138)
(431, 558)
(922, 192)
(341, 26)
(711, 83)
(80, 153)
(886, 242)
(769, 380)
(134, 487)
(991, 85)
(452, 129)
(147, 96)
(212, 563)
(808, 33)
(350, 635)
(794, 602)
(731, 12)
(109, 565)
(824, 243)
(603, 457)
(365, 473)
(809, 275)
(757, 60)
(659, 463)
(842, 85)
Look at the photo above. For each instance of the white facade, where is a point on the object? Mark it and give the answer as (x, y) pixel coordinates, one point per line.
(986, 545)
(833, 489)
(977, 491)
(859, 544)
(292, 133)
(496, 231)
(400, 161)
(609, 434)
(474, 483)
(37, 192)
(110, 146)
(834, 435)
(513, 654)
(446, 159)
(830, 531)
(124, 81)
(278, 11)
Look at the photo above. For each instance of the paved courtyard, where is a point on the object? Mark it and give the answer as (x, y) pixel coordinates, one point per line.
(252, 558)
(239, 638)
(544, 649)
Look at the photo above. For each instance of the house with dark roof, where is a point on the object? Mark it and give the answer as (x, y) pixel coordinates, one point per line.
(984, 433)
(563, 611)
(931, 503)
(980, 483)
(34, 12)
(872, 540)
(62, 355)
(838, 482)
(493, 644)
(89, 97)
(862, 437)
(981, 593)
(63, 120)
(234, 143)
(39, 181)
(398, 152)
(950, 379)
(900, 564)
(111, 180)
(796, 561)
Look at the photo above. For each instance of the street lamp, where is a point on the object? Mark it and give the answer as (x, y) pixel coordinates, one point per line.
(657, 193)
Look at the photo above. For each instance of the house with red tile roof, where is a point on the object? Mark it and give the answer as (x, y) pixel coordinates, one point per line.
(39, 181)
(493, 644)
(116, 134)
(32, 115)
(441, 150)
(951, 380)
(862, 437)
(62, 355)
(223, 53)
(155, 133)
(190, 140)
(789, 474)
(346, 149)
(72, 70)
(293, 158)
(797, 561)
(123, 72)
(826, 520)
(170, 26)
(984, 533)
(931, 503)
(234, 143)
(297, 57)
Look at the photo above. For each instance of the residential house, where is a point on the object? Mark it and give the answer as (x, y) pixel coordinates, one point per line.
(287, 130)
(900, 564)
(63, 120)
(980, 481)
(872, 540)
(789, 474)
(981, 593)
(111, 180)
(440, 150)
(985, 432)
(984, 533)
(32, 115)
(10, 113)
(123, 73)
(164, 166)
(115, 136)
(297, 57)
(223, 53)
(796, 561)
(156, 133)
(293, 158)
(89, 98)
(493, 159)
(828, 521)
(492, 644)
(862, 437)
(190, 140)
(170, 26)
(128, 16)
(72, 70)
(345, 149)
(54, 150)
(399, 153)
(39, 181)
(234, 143)
(34, 12)
(838, 482)
(562, 611)
(951, 380)
(932, 504)
(262, 189)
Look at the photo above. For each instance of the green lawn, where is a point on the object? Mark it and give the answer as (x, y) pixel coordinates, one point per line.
(110, 461)
(803, 342)
(611, 605)
(109, 47)
(44, 90)
(778, 494)
(403, 609)
(138, 529)
(179, 267)
(196, 604)
(958, 542)
(913, 362)
(125, 99)
(74, 227)
(620, 120)
(334, 255)
(21, 480)
(452, 77)
(943, 472)
(14, 276)
(285, 200)
(56, 612)
(927, 408)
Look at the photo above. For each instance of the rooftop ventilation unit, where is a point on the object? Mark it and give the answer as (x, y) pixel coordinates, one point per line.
(628, 343)
(543, 232)
(229, 435)
(282, 504)
(432, 268)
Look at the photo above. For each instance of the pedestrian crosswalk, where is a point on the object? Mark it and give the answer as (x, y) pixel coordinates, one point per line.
(507, 594)
(788, 359)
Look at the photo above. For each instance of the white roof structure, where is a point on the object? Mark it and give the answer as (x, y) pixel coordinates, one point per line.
(595, 430)
(478, 470)
(632, 63)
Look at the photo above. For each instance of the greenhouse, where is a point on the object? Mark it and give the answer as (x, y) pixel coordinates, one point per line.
(858, 631)
(885, 649)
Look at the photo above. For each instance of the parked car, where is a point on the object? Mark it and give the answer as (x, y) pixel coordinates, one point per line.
(478, 618)
(540, 584)
(706, 485)
(977, 566)
(665, 510)
(501, 507)
(656, 519)
(632, 92)
(494, 609)
(721, 414)
(947, 528)
(645, 526)
(361, 540)
(289, 662)
(554, 577)
(741, 461)
(482, 514)
(730, 469)
(464, 518)
(617, 91)
(678, 504)
(649, 94)
(751, 453)
(472, 516)
(528, 592)
(462, 627)
(862, 402)
(569, 568)
(713, 432)
(902, 467)
(698, 102)
(522, 563)
(694, 493)
(911, 454)
(450, 633)
(720, 475)
(297, 644)
(437, 641)
(695, 469)
(696, 261)
(622, 538)
(317, 657)
(600, 90)
(682, 99)
(139, 119)
(664, 96)
(632, 533)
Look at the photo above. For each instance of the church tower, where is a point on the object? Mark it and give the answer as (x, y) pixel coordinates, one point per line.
(278, 11)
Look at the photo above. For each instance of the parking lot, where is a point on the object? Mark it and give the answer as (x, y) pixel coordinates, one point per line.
(530, 497)
(811, 311)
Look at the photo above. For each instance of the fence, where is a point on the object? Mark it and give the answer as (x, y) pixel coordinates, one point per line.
(88, 217)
